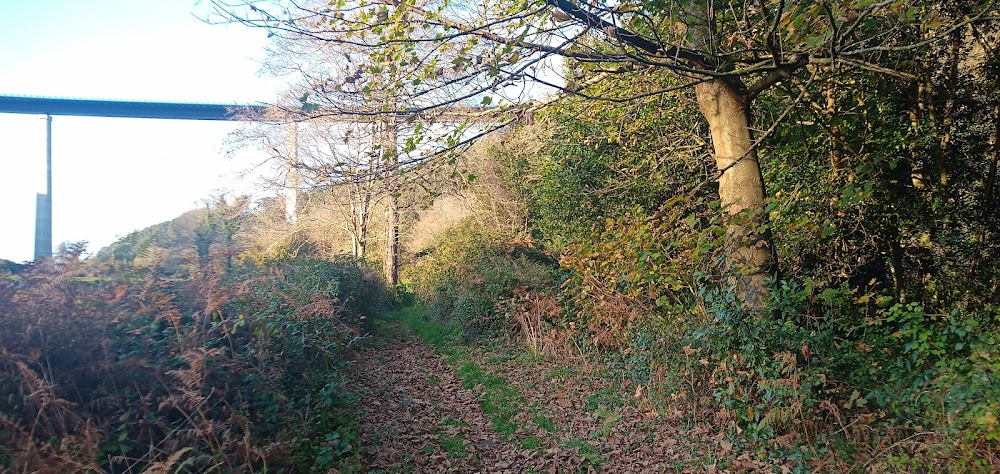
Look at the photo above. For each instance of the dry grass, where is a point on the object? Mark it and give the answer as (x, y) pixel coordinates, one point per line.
(444, 213)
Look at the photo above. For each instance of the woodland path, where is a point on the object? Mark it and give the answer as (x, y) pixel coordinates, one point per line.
(487, 410)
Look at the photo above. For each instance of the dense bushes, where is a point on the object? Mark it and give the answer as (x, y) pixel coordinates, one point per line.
(600, 162)
(471, 273)
(131, 371)
(822, 366)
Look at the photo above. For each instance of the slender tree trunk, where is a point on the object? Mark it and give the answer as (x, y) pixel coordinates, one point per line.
(391, 158)
(741, 187)
(362, 241)
(357, 226)
(366, 208)
(357, 248)
(292, 179)
(835, 136)
(360, 208)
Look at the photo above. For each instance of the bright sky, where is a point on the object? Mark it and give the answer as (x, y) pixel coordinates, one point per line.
(112, 176)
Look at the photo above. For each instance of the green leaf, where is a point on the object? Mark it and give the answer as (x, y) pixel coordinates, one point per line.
(828, 229)
(691, 220)
(487, 100)
(988, 419)
(829, 294)
(934, 23)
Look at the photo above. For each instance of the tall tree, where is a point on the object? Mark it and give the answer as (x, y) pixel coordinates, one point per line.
(343, 90)
(343, 160)
(390, 160)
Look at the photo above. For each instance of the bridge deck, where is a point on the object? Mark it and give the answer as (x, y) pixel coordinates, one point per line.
(234, 112)
(126, 109)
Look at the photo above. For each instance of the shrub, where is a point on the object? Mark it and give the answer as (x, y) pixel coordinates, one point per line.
(229, 371)
(469, 275)
(647, 294)
(943, 376)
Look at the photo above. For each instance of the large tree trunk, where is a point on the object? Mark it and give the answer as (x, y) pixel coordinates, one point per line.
(392, 188)
(741, 187)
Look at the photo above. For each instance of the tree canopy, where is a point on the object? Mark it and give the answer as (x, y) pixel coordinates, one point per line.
(441, 53)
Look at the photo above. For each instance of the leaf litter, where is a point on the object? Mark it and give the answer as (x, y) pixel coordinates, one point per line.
(415, 416)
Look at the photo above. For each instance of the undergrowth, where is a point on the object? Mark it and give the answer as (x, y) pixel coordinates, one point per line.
(827, 377)
(236, 369)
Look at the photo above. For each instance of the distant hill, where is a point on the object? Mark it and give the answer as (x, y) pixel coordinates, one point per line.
(9, 266)
(169, 244)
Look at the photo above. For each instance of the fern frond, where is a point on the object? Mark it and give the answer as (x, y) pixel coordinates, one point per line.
(34, 384)
(165, 467)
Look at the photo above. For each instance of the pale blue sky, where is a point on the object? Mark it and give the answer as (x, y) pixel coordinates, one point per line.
(113, 176)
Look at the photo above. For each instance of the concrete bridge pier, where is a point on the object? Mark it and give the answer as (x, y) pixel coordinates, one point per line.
(43, 202)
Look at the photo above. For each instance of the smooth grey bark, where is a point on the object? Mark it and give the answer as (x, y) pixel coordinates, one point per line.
(741, 187)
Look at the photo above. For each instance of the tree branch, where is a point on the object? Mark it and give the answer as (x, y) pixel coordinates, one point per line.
(628, 37)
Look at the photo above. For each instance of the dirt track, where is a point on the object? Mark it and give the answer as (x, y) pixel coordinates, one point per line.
(415, 416)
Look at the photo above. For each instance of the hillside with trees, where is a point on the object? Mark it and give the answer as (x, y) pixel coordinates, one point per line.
(556, 236)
